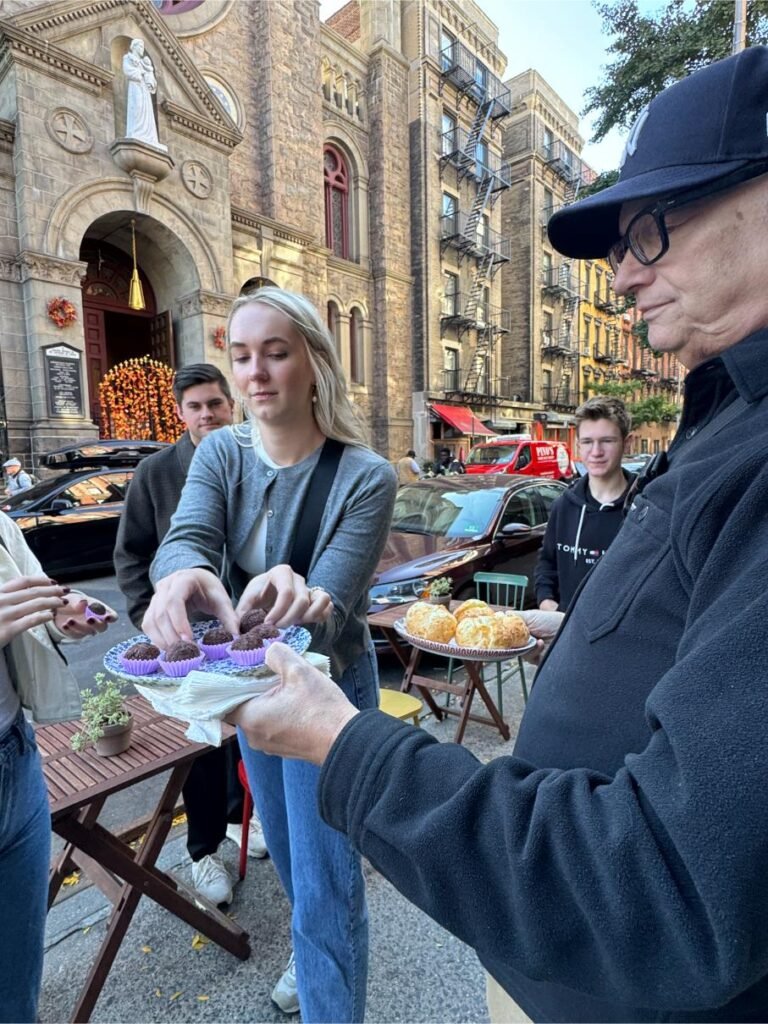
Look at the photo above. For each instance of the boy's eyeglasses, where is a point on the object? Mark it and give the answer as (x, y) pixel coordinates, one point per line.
(603, 442)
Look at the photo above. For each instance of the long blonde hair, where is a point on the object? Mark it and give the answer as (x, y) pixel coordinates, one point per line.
(335, 414)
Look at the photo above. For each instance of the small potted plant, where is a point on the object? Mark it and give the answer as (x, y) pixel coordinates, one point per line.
(106, 721)
(439, 591)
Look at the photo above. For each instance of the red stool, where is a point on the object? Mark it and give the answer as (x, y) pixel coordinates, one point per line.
(247, 811)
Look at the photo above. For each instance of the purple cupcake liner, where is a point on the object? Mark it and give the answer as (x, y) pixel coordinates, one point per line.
(177, 669)
(275, 639)
(139, 666)
(215, 652)
(247, 659)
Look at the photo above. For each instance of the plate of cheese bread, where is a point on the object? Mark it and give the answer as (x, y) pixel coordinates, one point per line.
(473, 631)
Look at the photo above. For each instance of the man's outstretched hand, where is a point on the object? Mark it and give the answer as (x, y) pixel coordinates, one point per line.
(301, 716)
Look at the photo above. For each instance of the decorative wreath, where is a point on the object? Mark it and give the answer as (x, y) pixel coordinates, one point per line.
(62, 312)
(220, 337)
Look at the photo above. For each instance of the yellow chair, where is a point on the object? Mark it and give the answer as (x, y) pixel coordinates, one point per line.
(400, 705)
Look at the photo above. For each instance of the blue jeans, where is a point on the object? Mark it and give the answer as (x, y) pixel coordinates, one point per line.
(25, 854)
(320, 872)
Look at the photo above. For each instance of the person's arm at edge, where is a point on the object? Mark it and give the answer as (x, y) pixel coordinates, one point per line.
(574, 853)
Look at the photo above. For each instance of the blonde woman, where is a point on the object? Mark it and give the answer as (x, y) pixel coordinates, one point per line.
(244, 497)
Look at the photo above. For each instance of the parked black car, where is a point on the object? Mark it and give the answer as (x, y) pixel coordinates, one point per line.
(70, 520)
(457, 526)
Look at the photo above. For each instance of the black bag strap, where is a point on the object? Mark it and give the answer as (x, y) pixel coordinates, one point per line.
(315, 501)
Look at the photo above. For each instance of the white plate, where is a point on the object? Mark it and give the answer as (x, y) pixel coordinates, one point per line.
(452, 649)
(295, 637)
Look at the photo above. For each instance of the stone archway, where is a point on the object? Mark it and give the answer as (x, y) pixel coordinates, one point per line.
(112, 330)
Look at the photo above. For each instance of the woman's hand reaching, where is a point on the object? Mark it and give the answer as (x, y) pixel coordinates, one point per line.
(28, 601)
(167, 618)
(287, 597)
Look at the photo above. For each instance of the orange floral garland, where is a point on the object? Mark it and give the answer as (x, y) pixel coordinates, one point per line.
(220, 337)
(62, 312)
(137, 402)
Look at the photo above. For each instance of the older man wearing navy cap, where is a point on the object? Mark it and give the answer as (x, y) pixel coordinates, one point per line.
(614, 869)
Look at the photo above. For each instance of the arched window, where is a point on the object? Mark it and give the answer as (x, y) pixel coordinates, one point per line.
(356, 348)
(336, 175)
(334, 325)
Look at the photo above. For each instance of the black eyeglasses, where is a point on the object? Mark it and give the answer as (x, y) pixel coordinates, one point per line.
(647, 237)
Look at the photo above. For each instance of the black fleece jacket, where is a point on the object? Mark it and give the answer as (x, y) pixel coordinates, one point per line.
(579, 532)
(615, 868)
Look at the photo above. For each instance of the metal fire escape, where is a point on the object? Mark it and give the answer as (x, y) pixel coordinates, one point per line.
(560, 282)
(469, 156)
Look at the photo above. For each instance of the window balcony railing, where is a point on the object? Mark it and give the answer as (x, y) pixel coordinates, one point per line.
(457, 231)
(465, 154)
(564, 397)
(566, 164)
(559, 343)
(459, 310)
(607, 305)
(559, 281)
(451, 380)
(547, 212)
(459, 66)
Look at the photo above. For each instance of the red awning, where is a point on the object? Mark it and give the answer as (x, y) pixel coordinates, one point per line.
(462, 419)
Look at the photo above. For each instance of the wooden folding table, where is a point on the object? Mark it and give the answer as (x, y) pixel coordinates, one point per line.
(410, 658)
(78, 787)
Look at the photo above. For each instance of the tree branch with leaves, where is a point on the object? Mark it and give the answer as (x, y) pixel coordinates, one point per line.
(653, 51)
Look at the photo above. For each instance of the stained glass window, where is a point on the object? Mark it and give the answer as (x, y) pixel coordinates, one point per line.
(336, 176)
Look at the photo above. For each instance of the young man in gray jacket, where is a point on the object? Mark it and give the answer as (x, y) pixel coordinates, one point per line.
(212, 792)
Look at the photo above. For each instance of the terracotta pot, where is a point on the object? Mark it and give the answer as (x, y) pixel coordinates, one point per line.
(115, 740)
(443, 599)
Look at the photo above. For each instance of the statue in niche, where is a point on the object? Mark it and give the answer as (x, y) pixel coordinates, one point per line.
(142, 85)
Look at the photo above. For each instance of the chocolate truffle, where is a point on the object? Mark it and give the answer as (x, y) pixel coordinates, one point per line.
(182, 650)
(97, 607)
(217, 635)
(254, 638)
(255, 617)
(141, 652)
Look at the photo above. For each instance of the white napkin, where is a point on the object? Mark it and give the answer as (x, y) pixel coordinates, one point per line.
(204, 698)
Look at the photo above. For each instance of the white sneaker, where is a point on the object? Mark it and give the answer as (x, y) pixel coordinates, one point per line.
(286, 993)
(256, 845)
(211, 879)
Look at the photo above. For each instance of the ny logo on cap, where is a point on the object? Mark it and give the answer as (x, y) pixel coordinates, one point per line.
(631, 144)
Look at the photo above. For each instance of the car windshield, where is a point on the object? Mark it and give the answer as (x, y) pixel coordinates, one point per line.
(492, 455)
(445, 512)
(26, 498)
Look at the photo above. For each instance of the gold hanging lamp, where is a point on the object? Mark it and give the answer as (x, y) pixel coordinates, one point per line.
(136, 293)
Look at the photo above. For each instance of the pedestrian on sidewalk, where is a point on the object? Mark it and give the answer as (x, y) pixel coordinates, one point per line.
(408, 471)
(36, 617)
(297, 506)
(16, 480)
(213, 796)
(614, 868)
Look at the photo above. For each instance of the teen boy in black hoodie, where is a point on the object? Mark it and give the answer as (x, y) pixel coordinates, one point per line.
(585, 520)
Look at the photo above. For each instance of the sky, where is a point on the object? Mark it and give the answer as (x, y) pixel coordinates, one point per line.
(564, 42)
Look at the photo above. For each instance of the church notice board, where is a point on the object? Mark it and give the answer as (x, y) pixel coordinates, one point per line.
(63, 380)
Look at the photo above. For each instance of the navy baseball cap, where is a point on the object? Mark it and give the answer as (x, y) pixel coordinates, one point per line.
(711, 124)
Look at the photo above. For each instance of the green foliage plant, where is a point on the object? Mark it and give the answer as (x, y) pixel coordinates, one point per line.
(101, 708)
(440, 587)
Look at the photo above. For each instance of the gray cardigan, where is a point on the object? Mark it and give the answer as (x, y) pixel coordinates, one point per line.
(227, 488)
(149, 505)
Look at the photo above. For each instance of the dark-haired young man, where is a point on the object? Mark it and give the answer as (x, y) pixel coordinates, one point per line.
(212, 792)
(584, 521)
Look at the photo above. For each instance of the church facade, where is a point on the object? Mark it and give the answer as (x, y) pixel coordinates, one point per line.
(281, 155)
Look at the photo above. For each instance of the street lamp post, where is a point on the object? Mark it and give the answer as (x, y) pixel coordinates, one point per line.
(739, 25)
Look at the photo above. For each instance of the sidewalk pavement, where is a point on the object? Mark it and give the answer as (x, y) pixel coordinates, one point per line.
(163, 972)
